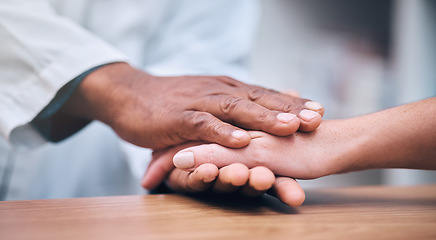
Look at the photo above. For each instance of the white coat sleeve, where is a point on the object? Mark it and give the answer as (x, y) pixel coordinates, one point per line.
(204, 37)
(40, 52)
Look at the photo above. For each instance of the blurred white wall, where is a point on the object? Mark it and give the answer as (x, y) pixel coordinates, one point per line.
(414, 68)
(353, 56)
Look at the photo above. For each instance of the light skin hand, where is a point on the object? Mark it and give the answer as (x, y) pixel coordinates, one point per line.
(158, 112)
(401, 137)
(234, 177)
(229, 179)
(285, 156)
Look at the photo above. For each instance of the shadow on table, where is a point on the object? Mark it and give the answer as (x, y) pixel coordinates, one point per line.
(363, 196)
(234, 202)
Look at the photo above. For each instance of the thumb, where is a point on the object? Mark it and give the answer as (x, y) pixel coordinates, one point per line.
(161, 165)
(190, 158)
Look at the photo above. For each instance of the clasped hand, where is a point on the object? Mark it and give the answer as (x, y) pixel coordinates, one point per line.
(162, 112)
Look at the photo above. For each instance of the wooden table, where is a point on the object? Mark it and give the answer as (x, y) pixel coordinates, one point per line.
(345, 213)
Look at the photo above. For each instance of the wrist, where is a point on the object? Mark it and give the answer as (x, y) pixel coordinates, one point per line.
(361, 148)
(99, 96)
(349, 139)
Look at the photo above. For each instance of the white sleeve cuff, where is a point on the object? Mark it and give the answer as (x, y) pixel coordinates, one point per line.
(26, 99)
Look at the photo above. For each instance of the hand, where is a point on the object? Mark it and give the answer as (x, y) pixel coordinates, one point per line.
(301, 155)
(236, 178)
(400, 137)
(158, 112)
(232, 177)
(337, 146)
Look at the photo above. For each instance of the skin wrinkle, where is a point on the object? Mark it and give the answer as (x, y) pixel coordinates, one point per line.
(212, 155)
(256, 94)
(262, 116)
(365, 142)
(290, 108)
(217, 130)
(147, 108)
(230, 104)
(134, 102)
(198, 120)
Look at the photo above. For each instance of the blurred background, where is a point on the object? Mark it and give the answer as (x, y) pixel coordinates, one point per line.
(354, 57)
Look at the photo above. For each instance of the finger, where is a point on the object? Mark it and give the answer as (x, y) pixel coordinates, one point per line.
(309, 120)
(204, 126)
(161, 165)
(231, 178)
(254, 155)
(282, 102)
(189, 158)
(197, 181)
(249, 115)
(157, 171)
(261, 179)
(288, 191)
(305, 109)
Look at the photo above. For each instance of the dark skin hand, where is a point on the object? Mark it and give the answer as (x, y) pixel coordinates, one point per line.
(233, 178)
(400, 137)
(159, 112)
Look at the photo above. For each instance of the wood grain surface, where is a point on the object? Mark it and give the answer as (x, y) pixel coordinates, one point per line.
(345, 213)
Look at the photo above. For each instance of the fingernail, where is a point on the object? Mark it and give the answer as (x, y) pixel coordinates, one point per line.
(239, 134)
(184, 160)
(308, 115)
(315, 106)
(286, 117)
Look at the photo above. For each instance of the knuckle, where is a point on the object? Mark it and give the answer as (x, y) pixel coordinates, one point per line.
(256, 93)
(213, 155)
(204, 126)
(217, 129)
(199, 120)
(263, 116)
(229, 104)
(286, 107)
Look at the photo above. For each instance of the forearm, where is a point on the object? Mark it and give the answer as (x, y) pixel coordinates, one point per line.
(157, 112)
(401, 137)
(100, 95)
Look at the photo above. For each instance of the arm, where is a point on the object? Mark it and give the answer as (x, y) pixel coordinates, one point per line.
(158, 112)
(401, 137)
(143, 109)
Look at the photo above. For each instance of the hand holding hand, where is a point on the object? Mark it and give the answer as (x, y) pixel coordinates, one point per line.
(234, 177)
(158, 112)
